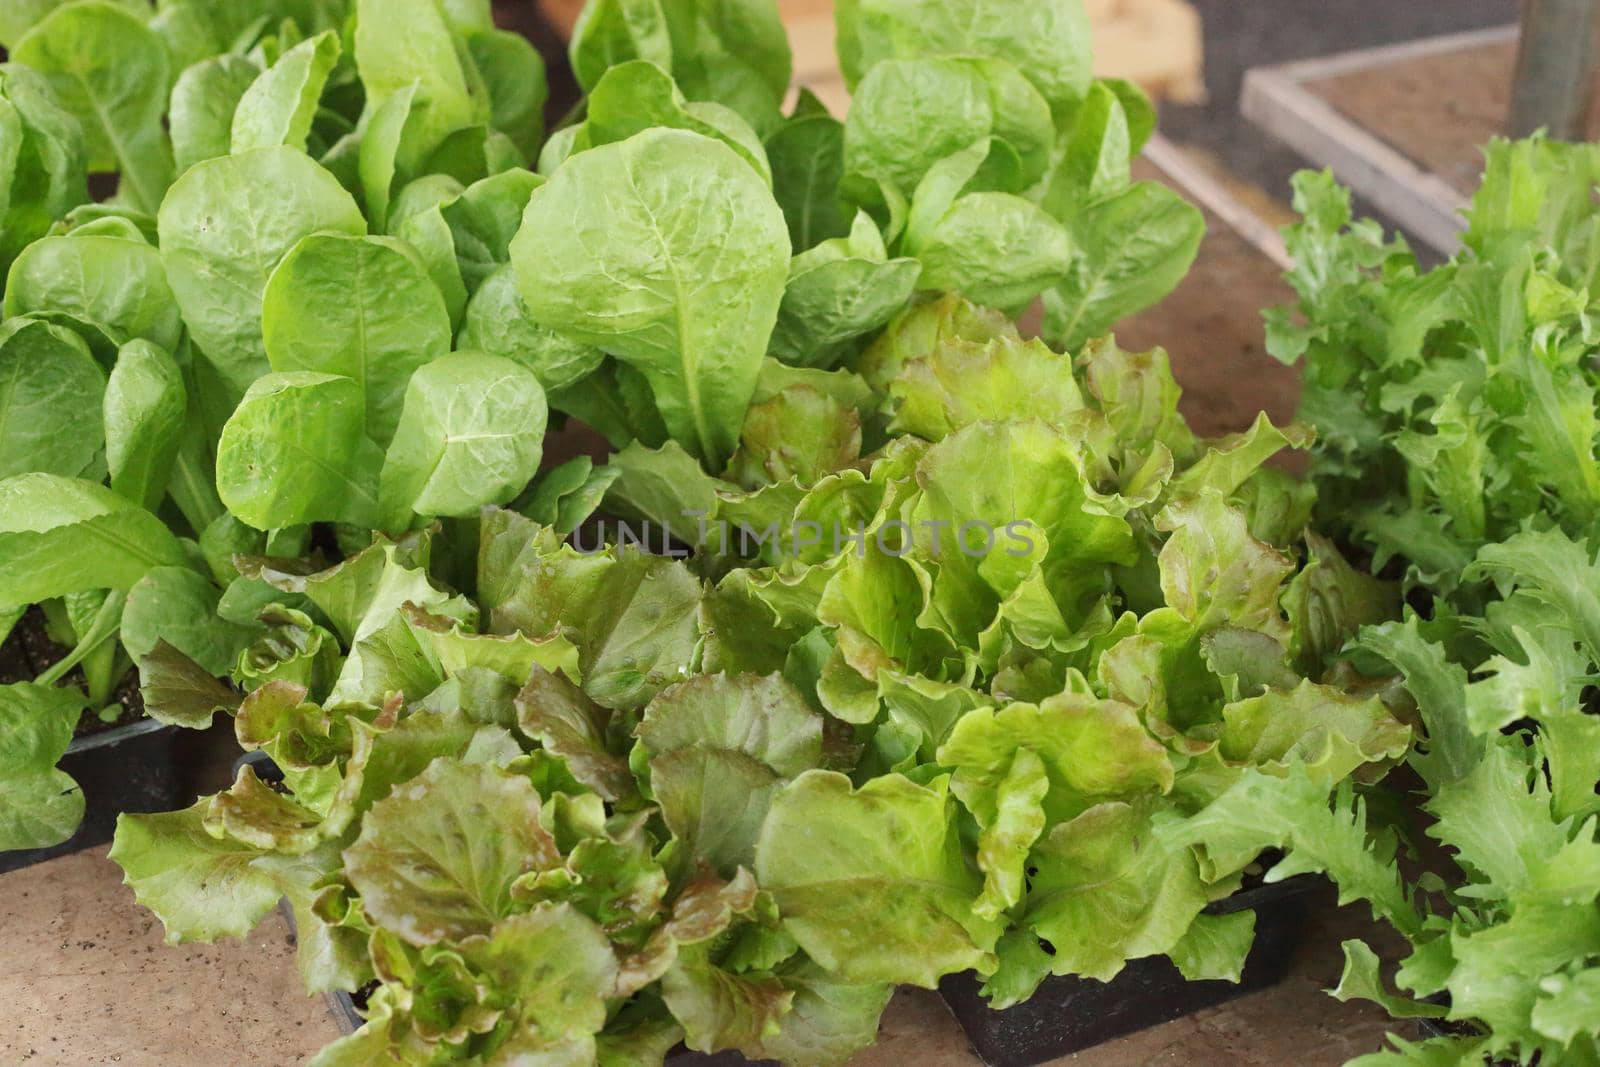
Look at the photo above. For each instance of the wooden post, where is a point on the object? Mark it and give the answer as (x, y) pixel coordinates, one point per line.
(1555, 64)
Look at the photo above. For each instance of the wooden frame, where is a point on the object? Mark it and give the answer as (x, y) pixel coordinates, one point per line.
(1278, 100)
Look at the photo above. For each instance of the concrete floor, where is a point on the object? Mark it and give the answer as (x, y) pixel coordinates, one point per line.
(88, 983)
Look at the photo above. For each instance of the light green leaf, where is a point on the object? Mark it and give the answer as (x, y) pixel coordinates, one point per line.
(39, 805)
(435, 861)
(51, 391)
(499, 323)
(61, 535)
(295, 451)
(1047, 39)
(399, 43)
(471, 434)
(1129, 251)
(115, 285)
(146, 406)
(224, 226)
(361, 307)
(1215, 946)
(201, 888)
(873, 882)
(643, 277)
(178, 606)
(112, 71)
(278, 108)
(555, 965)
(204, 102)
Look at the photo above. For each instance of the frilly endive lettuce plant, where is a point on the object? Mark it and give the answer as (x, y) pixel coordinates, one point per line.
(1457, 409)
(595, 802)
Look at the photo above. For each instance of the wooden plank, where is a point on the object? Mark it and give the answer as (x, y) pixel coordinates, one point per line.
(1390, 55)
(1282, 100)
(1195, 183)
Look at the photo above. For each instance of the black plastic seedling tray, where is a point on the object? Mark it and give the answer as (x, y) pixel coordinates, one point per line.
(1068, 1014)
(131, 768)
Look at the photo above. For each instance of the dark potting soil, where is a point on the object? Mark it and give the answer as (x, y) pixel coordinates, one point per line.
(28, 652)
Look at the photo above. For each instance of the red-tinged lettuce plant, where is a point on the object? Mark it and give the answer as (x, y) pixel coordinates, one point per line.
(747, 797)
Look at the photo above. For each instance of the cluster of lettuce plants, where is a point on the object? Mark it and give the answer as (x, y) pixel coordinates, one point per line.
(958, 649)
(1458, 428)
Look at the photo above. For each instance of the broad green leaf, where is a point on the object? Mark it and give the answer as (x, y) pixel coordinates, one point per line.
(116, 285)
(113, 72)
(279, 106)
(471, 433)
(1097, 155)
(39, 810)
(224, 227)
(736, 54)
(146, 406)
(204, 102)
(295, 451)
(51, 390)
(616, 251)
(201, 888)
(39, 805)
(43, 165)
(806, 155)
(178, 607)
(514, 73)
(1112, 886)
(1128, 251)
(62, 535)
(612, 32)
(908, 114)
(435, 861)
(995, 248)
(873, 882)
(837, 293)
(637, 96)
(399, 43)
(361, 307)
(499, 323)
(1215, 947)
(484, 219)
